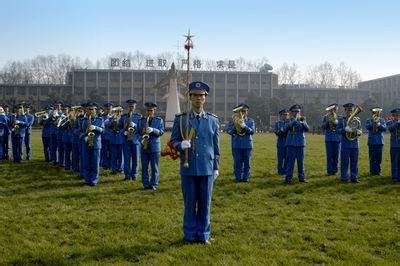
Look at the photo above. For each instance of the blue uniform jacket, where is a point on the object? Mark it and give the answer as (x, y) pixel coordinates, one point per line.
(281, 133)
(394, 128)
(3, 125)
(54, 119)
(98, 130)
(330, 133)
(295, 133)
(204, 152)
(340, 129)
(67, 132)
(116, 132)
(375, 134)
(23, 124)
(107, 132)
(154, 143)
(124, 125)
(46, 125)
(245, 141)
(31, 120)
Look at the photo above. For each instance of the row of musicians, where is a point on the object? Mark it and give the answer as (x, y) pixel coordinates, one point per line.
(15, 131)
(337, 132)
(82, 140)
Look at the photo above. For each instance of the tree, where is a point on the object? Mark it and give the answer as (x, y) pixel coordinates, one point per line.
(321, 76)
(346, 77)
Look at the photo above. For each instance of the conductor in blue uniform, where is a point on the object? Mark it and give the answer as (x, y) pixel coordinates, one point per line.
(199, 162)
(332, 139)
(151, 128)
(92, 128)
(295, 143)
(394, 128)
(349, 131)
(241, 142)
(376, 126)
(281, 133)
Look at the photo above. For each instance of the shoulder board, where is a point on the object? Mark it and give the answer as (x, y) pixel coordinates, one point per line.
(138, 114)
(157, 117)
(214, 115)
(180, 114)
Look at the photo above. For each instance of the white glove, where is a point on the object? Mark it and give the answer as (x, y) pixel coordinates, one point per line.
(243, 125)
(132, 124)
(347, 129)
(126, 133)
(17, 122)
(149, 130)
(185, 144)
(359, 132)
(215, 174)
(336, 122)
(378, 124)
(92, 127)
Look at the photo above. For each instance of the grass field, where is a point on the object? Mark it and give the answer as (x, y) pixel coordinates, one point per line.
(48, 218)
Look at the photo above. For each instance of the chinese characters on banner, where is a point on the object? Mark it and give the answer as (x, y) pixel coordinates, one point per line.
(163, 64)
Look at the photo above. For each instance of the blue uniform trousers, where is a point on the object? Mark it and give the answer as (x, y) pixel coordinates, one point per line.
(27, 141)
(346, 155)
(67, 155)
(46, 148)
(332, 156)
(292, 154)
(91, 164)
(2, 138)
(282, 163)
(82, 157)
(131, 160)
(105, 156)
(116, 158)
(53, 148)
(241, 164)
(395, 163)
(17, 148)
(152, 158)
(6, 145)
(197, 191)
(375, 159)
(75, 157)
(60, 148)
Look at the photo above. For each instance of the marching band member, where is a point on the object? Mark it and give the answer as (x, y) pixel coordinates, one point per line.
(116, 140)
(199, 160)
(92, 128)
(394, 127)
(281, 140)
(332, 139)
(151, 128)
(60, 133)
(349, 127)
(19, 124)
(54, 115)
(295, 142)
(45, 122)
(3, 128)
(376, 126)
(82, 142)
(67, 134)
(128, 124)
(28, 131)
(7, 133)
(241, 131)
(105, 138)
(76, 146)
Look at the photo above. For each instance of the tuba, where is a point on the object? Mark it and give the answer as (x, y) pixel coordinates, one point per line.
(238, 119)
(353, 123)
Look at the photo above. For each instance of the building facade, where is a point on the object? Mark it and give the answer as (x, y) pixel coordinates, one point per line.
(386, 90)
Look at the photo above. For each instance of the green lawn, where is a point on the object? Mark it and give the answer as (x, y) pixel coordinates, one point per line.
(48, 217)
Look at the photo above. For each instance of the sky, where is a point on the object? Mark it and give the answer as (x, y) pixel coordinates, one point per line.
(362, 33)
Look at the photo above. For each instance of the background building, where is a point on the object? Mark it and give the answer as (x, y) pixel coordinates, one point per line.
(386, 90)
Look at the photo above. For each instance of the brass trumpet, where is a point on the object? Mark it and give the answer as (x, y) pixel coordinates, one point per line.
(238, 119)
(41, 113)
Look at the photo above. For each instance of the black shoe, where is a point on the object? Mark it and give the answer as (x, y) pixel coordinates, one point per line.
(287, 182)
(355, 181)
(205, 242)
(303, 181)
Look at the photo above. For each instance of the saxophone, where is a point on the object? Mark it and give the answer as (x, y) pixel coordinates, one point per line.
(353, 123)
(89, 133)
(129, 128)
